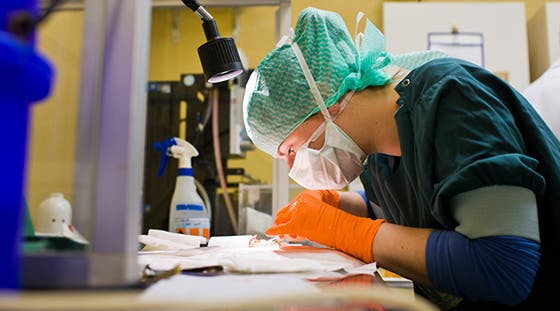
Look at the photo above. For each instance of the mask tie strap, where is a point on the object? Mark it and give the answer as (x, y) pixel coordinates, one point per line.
(343, 103)
(310, 81)
(358, 40)
(286, 39)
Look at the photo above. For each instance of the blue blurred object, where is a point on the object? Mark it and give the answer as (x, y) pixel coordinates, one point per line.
(25, 77)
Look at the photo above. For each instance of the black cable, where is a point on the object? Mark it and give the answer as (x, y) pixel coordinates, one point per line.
(50, 8)
(22, 24)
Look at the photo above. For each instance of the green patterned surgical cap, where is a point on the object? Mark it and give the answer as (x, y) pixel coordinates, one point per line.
(278, 97)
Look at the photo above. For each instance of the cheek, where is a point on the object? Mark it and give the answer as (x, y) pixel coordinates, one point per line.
(317, 143)
(290, 160)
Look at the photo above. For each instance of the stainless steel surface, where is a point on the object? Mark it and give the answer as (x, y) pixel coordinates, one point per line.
(280, 179)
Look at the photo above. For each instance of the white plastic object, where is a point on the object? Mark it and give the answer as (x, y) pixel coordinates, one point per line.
(55, 213)
(187, 213)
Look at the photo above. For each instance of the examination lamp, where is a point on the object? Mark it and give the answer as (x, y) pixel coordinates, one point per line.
(218, 56)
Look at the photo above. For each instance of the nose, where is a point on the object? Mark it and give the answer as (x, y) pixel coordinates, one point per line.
(288, 157)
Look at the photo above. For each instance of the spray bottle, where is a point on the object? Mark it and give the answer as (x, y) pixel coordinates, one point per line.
(187, 213)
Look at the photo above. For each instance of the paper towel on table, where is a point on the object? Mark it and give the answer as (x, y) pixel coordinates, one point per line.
(153, 243)
(234, 255)
(288, 259)
(164, 240)
(181, 238)
(231, 241)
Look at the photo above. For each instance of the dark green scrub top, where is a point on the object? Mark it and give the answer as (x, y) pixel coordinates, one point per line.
(462, 128)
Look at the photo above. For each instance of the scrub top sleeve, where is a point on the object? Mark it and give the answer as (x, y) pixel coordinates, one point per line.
(476, 142)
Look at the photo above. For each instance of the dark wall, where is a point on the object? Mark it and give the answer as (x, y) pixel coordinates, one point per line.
(162, 122)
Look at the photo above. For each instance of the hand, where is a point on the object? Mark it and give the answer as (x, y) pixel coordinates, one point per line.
(307, 216)
(331, 197)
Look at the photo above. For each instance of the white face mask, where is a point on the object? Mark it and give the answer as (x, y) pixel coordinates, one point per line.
(340, 160)
(334, 166)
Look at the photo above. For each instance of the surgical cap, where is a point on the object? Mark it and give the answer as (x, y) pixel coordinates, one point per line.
(278, 97)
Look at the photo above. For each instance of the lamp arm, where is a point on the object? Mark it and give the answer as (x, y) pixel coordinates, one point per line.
(198, 10)
(218, 56)
(210, 30)
(192, 4)
(208, 22)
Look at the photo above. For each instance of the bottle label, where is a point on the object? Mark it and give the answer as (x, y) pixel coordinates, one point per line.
(185, 171)
(193, 226)
(189, 207)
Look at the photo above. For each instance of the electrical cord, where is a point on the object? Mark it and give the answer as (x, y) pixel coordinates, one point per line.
(205, 198)
(218, 158)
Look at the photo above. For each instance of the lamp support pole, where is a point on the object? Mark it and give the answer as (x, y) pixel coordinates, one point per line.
(280, 179)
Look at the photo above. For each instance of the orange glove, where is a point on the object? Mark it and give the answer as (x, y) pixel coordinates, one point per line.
(331, 197)
(308, 217)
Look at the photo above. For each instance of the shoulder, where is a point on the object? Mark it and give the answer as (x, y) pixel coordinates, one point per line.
(425, 82)
(447, 67)
(449, 74)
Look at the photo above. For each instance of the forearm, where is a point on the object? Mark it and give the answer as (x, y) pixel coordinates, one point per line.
(402, 250)
(451, 258)
(353, 203)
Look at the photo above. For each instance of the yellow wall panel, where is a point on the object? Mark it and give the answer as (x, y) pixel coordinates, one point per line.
(53, 131)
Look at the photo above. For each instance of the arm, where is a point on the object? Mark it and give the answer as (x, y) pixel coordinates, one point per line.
(398, 248)
(349, 201)
(353, 203)
(474, 268)
(402, 250)
(496, 268)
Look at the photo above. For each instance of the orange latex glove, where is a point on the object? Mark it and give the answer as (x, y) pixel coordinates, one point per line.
(309, 217)
(331, 197)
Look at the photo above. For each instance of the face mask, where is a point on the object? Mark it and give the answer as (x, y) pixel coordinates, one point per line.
(340, 160)
(334, 166)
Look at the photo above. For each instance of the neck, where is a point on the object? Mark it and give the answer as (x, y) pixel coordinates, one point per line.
(370, 120)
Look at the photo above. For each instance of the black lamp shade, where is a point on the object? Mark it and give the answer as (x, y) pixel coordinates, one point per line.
(220, 60)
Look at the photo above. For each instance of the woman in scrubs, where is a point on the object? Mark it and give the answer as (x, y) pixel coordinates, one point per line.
(461, 176)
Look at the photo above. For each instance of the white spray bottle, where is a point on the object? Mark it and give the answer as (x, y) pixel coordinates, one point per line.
(187, 213)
